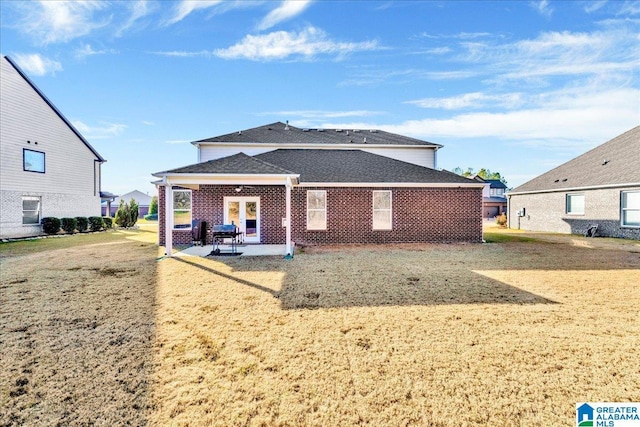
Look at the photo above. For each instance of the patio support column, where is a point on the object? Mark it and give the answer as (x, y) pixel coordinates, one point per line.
(289, 249)
(168, 220)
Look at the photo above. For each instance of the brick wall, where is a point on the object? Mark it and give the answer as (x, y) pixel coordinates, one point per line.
(418, 214)
(547, 212)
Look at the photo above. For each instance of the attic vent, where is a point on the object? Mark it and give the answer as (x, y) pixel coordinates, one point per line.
(269, 129)
(239, 132)
(564, 180)
(286, 127)
(365, 140)
(356, 130)
(320, 130)
(557, 180)
(305, 130)
(351, 140)
(604, 162)
(338, 130)
(373, 130)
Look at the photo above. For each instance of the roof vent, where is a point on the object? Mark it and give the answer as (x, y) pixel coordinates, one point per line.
(286, 126)
(365, 140)
(564, 180)
(347, 132)
(557, 180)
(305, 130)
(604, 162)
(239, 132)
(338, 130)
(320, 130)
(351, 140)
(373, 130)
(356, 130)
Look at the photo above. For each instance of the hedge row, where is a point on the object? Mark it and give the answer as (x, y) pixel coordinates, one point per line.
(81, 224)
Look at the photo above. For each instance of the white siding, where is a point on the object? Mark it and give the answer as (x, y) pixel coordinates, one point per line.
(422, 156)
(70, 166)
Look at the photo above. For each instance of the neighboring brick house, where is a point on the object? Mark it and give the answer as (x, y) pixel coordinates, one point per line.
(602, 187)
(47, 168)
(281, 184)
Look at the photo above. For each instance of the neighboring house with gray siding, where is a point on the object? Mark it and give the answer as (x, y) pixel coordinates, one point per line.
(47, 168)
(143, 200)
(601, 187)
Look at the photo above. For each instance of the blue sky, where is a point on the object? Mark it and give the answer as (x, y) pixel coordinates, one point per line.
(517, 87)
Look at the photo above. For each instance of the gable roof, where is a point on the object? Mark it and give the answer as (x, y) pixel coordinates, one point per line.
(54, 108)
(495, 183)
(616, 162)
(141, 198)
(231, 165)
(281, 133)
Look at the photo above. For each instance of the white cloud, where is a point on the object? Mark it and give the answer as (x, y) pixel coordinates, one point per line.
(37, 65)
(185, 7)
(287, 10)
(469, 100)
(86, 50)
(177, 141)
(103, 131)
(59, 21)
(542, 7)
(560, 119)
(138, 9)
(308, 43)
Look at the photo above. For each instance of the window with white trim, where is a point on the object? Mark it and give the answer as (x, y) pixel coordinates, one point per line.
(382, 210)
(32, 161)
(316, 210)
(630, 208)
(30, 210)
(181, 209)
(575, 204)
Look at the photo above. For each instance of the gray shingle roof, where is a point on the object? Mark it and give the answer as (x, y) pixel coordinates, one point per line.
(614, 162)
(236, 164)
(280, 133)
(355, 166)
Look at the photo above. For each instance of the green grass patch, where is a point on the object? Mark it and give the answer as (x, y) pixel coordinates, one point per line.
(505, 238)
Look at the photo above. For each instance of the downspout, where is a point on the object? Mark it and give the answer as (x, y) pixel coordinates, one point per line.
(289, 249)
(168, 219)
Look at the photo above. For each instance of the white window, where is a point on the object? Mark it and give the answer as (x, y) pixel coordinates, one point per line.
(316, 210)
(32, 161)
(382, 210)
(575, 204)
(181, 209)
(30, 210)
(630, 208)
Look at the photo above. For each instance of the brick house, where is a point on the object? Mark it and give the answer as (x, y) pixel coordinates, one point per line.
(281, 184)
(602, 186)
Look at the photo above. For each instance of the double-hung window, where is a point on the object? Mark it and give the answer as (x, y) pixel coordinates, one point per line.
(382, 210)
(30, 210)
(181, 209)
(575, 204)
(316, 210)
(32, 161)
(630, 208)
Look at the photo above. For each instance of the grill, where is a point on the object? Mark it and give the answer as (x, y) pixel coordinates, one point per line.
(226, 231)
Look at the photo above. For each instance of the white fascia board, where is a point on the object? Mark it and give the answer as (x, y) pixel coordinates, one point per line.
(228, 179)
(327, 146)
(391, 184)
(562, 190)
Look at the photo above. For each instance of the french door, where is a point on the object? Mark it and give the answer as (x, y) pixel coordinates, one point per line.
(244, 212)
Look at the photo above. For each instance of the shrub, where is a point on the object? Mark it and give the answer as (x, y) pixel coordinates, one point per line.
(127, 214)
(83, 223)
(501, 220)
(151, 217)
(69, 225)
(153, 207)
(51, 225)
(107, 222)
(95, 223)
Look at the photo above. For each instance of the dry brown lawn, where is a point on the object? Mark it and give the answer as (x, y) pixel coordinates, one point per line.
(497, 334)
